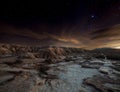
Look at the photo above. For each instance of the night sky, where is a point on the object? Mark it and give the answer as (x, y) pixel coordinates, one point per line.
(72, 23)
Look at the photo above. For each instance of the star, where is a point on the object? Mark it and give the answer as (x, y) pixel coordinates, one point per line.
(92, 16)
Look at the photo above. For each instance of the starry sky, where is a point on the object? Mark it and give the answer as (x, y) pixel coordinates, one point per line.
(86, 24)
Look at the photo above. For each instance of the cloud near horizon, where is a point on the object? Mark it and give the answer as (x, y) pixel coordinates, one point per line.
(106, 37)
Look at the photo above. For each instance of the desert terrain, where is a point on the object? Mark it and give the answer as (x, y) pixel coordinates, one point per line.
(58, 69)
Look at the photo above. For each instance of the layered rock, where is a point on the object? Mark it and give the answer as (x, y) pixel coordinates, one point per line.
(37, 52)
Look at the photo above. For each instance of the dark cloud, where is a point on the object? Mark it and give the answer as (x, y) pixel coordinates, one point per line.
(107, 37)
(110, 32)
(100, 31)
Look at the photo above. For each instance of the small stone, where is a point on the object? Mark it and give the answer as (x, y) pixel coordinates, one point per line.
(105, 70)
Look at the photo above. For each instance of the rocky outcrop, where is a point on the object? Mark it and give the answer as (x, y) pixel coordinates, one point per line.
(106, 53)
(99, 83)
(48, 52)
(56, 69)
